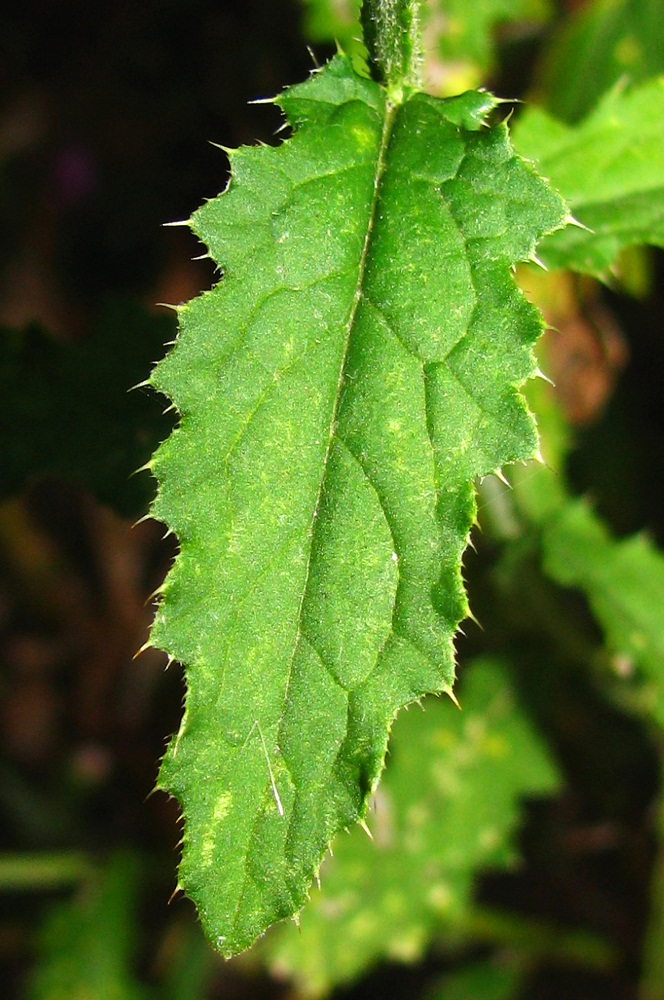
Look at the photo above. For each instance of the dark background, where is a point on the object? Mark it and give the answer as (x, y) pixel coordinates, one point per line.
(107, 115)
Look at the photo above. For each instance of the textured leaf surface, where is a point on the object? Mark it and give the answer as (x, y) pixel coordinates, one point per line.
(340, 389)
(624, 583)
(610, 168)
(447, 807)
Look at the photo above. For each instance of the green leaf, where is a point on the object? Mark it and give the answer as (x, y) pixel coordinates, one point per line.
(188, 965)
(335, 21)
(86, 942)
(447, 807)
(485, 980)
(326, 20)
(610, 168)
(624, 583)
(339, 390)
(464, 35)
(39, 871)
(607, 41)
(69, 414)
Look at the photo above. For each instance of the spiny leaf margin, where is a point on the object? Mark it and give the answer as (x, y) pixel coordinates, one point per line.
(610, 169)
(448, 807)
(359, 461)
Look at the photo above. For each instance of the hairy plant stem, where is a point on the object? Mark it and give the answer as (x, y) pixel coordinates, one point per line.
(393, 38)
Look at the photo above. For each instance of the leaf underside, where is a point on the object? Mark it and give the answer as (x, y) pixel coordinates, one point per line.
(342, 386)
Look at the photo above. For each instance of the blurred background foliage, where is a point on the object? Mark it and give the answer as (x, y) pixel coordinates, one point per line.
(517, 845)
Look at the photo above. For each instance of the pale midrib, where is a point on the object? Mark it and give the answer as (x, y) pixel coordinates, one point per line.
(390, 114)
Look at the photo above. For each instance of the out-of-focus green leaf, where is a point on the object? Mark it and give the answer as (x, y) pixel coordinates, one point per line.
(607, 41)
(461, 37)
(335, 21)
(86, 944)
(624, 583)
(188, 964)
(609, 168)
(447, 807)
(41, 870)
(483, 981)
(68, 412)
